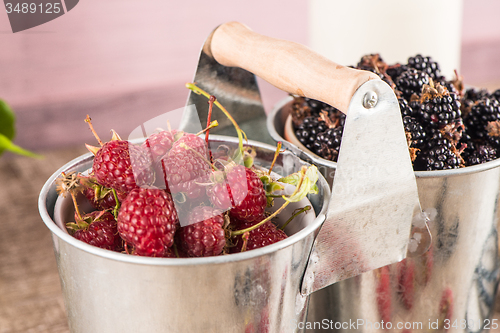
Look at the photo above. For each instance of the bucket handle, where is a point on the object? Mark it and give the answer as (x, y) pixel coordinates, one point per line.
(289, 66)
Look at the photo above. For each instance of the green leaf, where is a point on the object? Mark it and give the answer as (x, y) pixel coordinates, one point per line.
(308, 185)
(6, 144)
(311, 177)
(7, 120)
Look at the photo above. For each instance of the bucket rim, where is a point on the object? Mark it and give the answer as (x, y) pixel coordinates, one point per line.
(271, 119)
(49, 188)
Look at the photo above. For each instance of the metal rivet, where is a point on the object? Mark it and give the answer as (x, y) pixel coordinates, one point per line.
(370, 100)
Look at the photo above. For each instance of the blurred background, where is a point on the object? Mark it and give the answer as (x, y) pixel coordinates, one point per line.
(126, 61)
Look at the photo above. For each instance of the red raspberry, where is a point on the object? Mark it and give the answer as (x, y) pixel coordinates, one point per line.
(242, 192)
(264, 235)
(98, 229)
(204, 236)
(147, 220)
(123, 166)
(104, 199)
(187, 164)
(158, 144)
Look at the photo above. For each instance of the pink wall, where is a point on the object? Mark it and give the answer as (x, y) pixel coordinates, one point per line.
(115, 45)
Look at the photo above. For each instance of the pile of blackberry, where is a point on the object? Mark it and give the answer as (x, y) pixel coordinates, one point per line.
(447, 126)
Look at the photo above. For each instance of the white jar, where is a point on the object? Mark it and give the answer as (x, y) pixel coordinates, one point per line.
(345, 30)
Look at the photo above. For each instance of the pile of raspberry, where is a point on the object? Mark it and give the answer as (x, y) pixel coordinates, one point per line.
(447, 125)
(168, 198)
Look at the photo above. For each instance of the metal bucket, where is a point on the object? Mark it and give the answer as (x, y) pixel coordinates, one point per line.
(450, 288)
(254, 291)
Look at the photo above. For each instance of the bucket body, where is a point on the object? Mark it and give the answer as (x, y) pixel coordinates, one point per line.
(450, 288)
(254, 291)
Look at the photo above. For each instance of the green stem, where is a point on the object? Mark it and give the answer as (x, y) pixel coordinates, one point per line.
(117, 206)
(279, 210)
(239, 131)
(300, 211)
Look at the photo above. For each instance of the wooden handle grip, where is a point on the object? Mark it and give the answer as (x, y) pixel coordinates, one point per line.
(290, 66)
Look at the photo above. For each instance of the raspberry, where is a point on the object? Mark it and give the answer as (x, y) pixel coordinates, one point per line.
(147, 220)
(158, 144)
(98, 229)
(123, 166)
(242, 192)
(187, 164)
(204, 236)
(264, 235)
(102, 198)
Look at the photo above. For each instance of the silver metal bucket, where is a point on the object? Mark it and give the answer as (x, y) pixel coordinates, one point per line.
(254, 291)
(452, 286)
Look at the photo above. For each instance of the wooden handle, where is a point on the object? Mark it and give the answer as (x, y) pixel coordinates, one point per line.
(290, 66)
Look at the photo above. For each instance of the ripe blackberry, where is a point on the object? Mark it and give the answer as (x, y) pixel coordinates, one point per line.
(307, 132)
(123, 166)
(438, 107)
(495, 95)
(481, 113)
(204, 235)
(147, 220)
(404, 106)
(426, 65)
(416, 132)
(479, 153)
(264, 235)
(440, 153)
(411, 82)
(394, 71)
(242, 192)
(327, 144)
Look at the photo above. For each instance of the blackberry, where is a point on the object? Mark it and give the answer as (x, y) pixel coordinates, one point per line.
(411, 82)
(478, 153)
(405, 107)
(495, 95)
(396, 70)
(416, 131)
(327, 144)
(440, 154)
(307, 132)
(426, 65)
(481, 113)
(439, 108)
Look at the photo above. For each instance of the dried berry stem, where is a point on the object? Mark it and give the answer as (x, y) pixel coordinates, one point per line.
(276, 154)
(89, 121)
